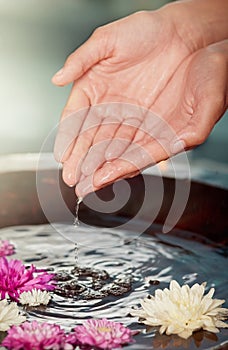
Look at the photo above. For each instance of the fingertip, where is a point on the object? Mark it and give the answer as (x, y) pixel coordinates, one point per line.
(57, 82)
(85, 187)
(63, 77)
(69, 177)
(57, 78)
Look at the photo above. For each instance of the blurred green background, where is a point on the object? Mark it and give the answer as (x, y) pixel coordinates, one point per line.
(36, 36)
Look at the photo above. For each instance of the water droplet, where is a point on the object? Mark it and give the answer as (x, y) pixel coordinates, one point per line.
(76, 219)
(76, 253)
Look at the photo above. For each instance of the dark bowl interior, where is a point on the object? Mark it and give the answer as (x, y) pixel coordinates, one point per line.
(205, 213)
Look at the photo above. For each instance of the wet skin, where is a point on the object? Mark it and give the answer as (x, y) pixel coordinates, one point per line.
(149, 60)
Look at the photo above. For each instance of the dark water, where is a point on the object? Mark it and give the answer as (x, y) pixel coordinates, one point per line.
(138, 266)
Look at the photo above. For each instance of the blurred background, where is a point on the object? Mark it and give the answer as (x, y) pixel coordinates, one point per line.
(35, 39)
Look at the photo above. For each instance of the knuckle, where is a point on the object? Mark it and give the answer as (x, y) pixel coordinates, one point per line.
(100, 37)
(98, 31)
(100, 34)
(141, 13)
(144, 16)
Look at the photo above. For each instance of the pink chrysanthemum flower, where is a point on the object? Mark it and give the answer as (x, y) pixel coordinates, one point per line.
(103, 334)
(37, 336)
(15, 279)
(6, 248)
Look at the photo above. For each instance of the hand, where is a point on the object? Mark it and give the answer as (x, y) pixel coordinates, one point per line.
(141, 60)
(201, 86)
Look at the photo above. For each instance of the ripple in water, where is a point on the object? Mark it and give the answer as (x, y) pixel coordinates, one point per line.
(109, 279)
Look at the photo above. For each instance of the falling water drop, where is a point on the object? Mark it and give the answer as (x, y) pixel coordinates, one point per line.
(76, 251)
(76, 220)
(76, 223)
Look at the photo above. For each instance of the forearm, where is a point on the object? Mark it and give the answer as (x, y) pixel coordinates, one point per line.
(201, 22)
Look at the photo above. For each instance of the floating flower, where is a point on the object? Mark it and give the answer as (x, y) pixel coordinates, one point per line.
(183, 310)
(15, 279)
(9, 315)
(6, 248)
(103, 334)
(37, 336)
(35, 297)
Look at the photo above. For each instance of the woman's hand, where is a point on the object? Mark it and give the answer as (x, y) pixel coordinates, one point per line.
(192, 102)
(143, 60)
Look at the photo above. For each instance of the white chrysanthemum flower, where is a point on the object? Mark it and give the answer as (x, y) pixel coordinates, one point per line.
(35, 297)
(183, 310)
(9, 315)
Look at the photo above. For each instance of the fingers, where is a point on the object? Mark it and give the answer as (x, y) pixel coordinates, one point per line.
(110, 142)
(81, 60)
(91, 52)
(96, 155)
(138, 145)
(120, 122)
(87, 185)
(122, 139)
(95, 158)
(72, 119)
(72, 167)
(136, 158)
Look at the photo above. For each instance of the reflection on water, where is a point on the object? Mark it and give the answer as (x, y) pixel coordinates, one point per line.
(141, 265)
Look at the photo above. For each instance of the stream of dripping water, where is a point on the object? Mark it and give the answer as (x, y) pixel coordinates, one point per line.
(76, 223)
(76, 219)
(76, 251)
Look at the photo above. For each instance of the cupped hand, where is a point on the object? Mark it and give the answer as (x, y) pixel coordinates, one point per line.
(193, 101)
(141, 60)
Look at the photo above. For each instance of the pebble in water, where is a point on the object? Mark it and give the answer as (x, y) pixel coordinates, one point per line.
(86, 283)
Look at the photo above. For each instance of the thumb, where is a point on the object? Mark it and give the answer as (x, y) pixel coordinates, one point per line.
(83, 58)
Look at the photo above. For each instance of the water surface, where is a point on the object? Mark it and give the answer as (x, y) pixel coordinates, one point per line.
(147, 262)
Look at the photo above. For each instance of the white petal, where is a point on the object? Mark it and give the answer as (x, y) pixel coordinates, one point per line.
(9, 315)
(211, 329)
(182, 310)
(185, 334)
(162, 329)
(174, 285)
(221, 324)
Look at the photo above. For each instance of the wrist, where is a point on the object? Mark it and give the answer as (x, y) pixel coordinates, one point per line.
(199, 22)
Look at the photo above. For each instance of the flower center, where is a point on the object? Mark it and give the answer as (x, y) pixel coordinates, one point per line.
(104, 329)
